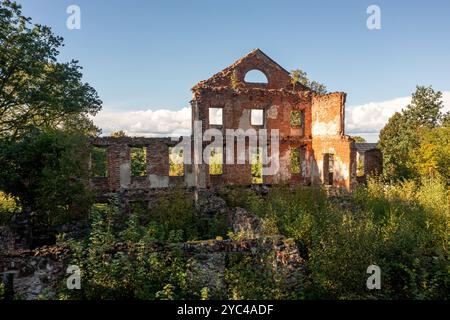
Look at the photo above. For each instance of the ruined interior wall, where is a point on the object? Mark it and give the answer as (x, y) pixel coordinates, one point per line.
(277, 106)
(119, 165)
(373, 162)
(327, 114)
(344, 169)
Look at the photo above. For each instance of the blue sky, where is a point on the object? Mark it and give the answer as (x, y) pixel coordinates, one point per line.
(146, 55)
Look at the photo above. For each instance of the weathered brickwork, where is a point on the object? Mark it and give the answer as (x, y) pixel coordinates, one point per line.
(326, 154)
(321, 132)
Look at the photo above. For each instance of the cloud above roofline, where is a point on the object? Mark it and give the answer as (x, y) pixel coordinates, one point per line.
(371, 117)
(365, 120)
(146, 123)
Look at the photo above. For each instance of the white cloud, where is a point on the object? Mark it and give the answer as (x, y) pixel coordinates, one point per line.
(148, 123)
(369, 118)
(365, 120)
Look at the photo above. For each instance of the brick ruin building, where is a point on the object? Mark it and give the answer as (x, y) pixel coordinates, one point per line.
(316, 139)
(369, 160)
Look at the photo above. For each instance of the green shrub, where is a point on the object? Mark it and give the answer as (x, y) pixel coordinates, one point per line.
(254, 277)
(9, 206)
(136, 269)
(402, 228)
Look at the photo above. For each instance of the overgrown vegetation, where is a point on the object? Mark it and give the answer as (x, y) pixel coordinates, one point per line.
(45, 172)
(176, 162)
(402, 228)
(135, 270)
(9, 206)
(138, 162)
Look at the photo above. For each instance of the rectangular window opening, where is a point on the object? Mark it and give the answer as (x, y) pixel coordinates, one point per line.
(328, 168)
(176, 162)
(216, 161)
(257, 117)
(138, 162)
(256, 166)
(296, 119)
(216, 116)
(295, 160)
(99, 162)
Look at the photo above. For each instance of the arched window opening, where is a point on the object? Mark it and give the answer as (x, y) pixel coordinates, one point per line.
(255, 76)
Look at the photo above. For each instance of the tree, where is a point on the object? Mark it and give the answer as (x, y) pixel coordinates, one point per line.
(424, 109)
(359, 139)
(403, 132)
(432, 157)
(118, 134)
(300, 76)
(36, 91)
(47, 172)
(397, 138)
(446, 119)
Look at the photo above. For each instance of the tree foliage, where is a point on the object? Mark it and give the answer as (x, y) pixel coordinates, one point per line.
(118, 134)
(138, 162)
(35, 89)
(410, 138)
(432, 157)
(300, 76)
(45, 171)
(359, 139)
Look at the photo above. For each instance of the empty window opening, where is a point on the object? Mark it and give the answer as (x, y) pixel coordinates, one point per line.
(295, 160)
(99, 162)
(296, 119)
(216, 161)
(257, 118)
(138, 162)
(255, 76)
(215, 116)
(176, 166)
(256, 166)
(360, 164)
(328, 168)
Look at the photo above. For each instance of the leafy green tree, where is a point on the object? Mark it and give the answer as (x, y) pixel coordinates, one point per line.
(425, 108)
(396, 140)
(432, 157)
(402, 134)
(35, 89)
(47, 172)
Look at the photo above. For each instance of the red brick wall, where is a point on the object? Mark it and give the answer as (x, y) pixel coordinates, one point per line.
(322, 131)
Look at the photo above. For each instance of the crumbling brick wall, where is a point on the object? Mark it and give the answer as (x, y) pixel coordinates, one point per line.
(321, 132)
(119, 165)
(329, 141)
(373, 162)
(326, 156)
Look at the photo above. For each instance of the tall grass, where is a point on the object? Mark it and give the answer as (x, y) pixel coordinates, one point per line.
(401, 228)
